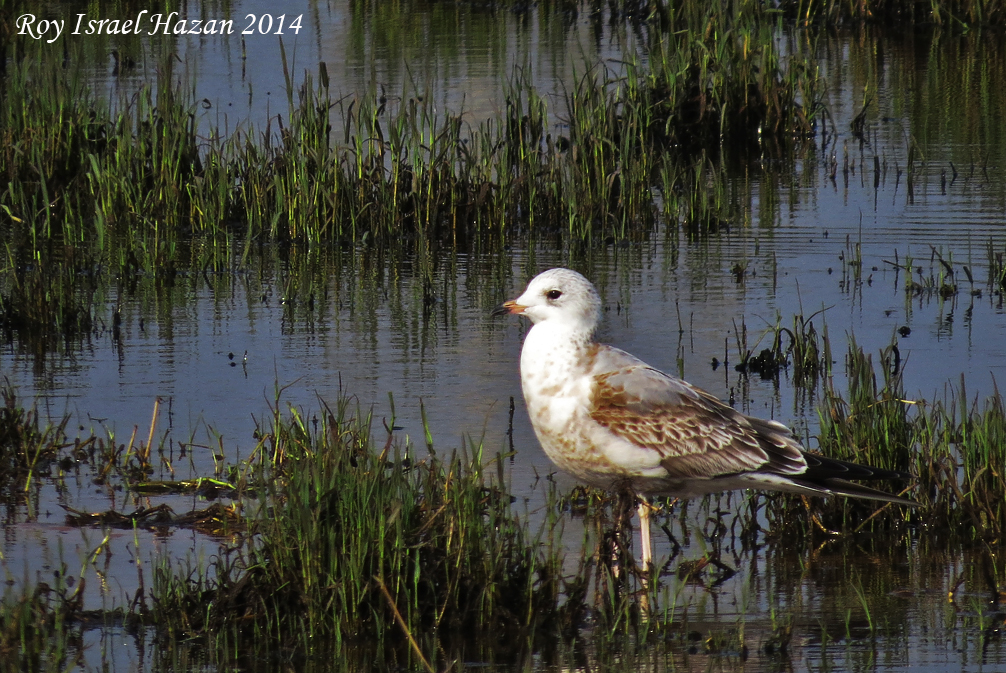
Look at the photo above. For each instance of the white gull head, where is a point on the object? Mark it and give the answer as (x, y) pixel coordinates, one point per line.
(562, 296)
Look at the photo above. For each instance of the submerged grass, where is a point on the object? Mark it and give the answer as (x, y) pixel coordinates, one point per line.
(952, 447)
(29, 449)
(139, 182)
(354, 548)
(37, 630)
(367, 550)
(384, 556)
(143, 188)
(958, 14)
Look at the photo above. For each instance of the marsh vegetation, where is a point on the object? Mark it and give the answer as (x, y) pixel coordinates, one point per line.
(340, 537)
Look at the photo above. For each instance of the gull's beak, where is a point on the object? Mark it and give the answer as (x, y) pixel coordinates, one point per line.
(506, 308)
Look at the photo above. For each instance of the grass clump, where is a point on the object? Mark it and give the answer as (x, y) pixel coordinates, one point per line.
(39, 630)
(368, 551)
(146, 186)
(953, 448)
(962, 451)
(719, 81)
(27, 447)
(137, 183)
(42, 306)
(875, 424)
(953, 13)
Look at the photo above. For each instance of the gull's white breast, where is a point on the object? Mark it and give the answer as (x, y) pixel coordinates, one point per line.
(557, 376)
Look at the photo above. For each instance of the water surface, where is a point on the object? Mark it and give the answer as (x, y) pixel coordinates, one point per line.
(220, 350)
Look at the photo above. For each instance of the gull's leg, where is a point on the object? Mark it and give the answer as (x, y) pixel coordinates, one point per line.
(644, 534)
(646, 551)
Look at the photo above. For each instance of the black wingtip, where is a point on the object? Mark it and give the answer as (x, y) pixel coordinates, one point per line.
(820, 468)
(834, 475)
(851, 490)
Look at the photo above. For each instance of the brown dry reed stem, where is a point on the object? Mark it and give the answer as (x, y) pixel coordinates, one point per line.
(145, 451)
(404, 626)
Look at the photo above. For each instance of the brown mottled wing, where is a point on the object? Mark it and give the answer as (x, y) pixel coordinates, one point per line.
(697, 435)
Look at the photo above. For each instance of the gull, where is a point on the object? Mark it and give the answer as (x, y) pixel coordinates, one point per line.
(614, 422)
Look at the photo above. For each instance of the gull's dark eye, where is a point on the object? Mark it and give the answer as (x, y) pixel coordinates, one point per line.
(553, 294)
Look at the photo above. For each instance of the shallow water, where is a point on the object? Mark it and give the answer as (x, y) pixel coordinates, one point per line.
(215, 348)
